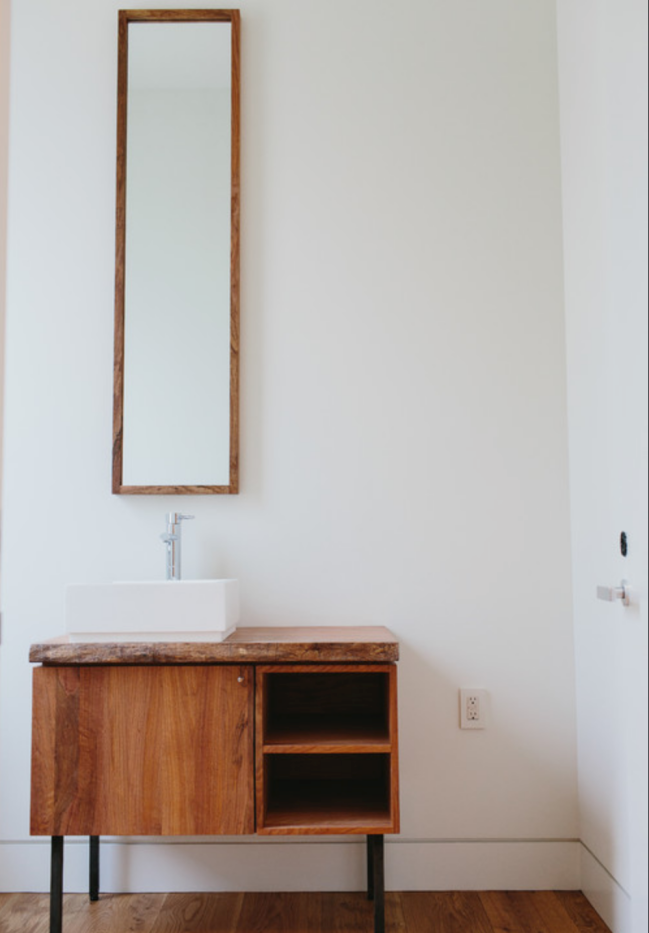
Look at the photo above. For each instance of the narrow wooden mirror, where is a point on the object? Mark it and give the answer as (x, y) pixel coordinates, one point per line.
(176, 369)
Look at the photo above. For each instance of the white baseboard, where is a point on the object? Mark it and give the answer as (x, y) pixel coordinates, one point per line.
(130, 866)
(539, 865)
(609, 899)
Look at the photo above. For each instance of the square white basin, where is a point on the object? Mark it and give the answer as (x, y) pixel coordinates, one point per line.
(165, 610)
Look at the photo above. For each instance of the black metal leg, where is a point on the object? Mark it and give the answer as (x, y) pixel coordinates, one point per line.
(379, 884)
(56, 885)
(370, 869)
(94, 868)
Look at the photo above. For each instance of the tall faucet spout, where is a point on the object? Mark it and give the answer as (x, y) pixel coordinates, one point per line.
(172, 539)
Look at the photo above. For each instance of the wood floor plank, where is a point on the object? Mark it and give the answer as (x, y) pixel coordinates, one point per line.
(552, 912)
(354, 913)
(199, 913)
(406, 912)
(502, 913)
(395, 921)
(346, 913)
(525, 912)
(6, 901)
(281, 913)
(129, 913)
(25, 913)
(582, 913)
(444, 912)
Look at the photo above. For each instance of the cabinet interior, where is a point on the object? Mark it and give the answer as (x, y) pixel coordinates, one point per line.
(326, 750)
(326, 707)
(328, 789)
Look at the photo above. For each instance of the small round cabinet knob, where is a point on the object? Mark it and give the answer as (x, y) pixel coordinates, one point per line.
(240, 679)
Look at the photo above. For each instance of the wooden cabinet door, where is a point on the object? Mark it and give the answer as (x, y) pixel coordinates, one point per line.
(129, 750)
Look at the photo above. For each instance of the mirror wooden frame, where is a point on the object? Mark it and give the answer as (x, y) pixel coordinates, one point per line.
(160, 16)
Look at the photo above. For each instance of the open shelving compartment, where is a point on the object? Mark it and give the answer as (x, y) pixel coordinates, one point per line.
(326, 749)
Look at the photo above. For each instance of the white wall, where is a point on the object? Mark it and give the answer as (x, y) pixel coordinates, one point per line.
(603, 68)
(4, 148)
(404, 438)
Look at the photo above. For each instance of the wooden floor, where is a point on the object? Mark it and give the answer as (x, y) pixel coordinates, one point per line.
(411, 912)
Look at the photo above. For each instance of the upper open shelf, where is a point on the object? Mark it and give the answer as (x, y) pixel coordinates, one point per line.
(332, 711)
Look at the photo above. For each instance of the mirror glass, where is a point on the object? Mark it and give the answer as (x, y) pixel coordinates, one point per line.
(176, 334)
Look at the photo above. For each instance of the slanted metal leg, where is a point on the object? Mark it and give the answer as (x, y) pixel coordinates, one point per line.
(370, 869)
(379, 884)
(94, 868)
(56, 885)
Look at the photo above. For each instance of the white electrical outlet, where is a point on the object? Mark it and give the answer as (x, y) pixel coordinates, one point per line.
(473, 708)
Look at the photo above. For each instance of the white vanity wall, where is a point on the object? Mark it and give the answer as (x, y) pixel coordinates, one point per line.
(4, 147)
(403, 410)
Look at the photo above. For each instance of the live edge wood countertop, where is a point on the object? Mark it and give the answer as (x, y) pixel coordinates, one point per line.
(324, 644)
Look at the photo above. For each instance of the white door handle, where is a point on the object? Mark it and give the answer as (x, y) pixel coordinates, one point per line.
(610, 593)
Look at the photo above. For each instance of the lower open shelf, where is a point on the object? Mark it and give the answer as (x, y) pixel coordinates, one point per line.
(327, 806)
(331, 793)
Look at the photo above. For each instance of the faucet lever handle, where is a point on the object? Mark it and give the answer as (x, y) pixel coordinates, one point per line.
(174, 517)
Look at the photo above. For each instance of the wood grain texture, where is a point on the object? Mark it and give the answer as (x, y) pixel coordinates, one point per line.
(235, 235)
(306, 740)
(444, 912)
(346, 913)
(138, 913)
(528, 912)
(161, 748)
(200, 913)
(55, 719)
(583, 915)
(502, 912)
(24, 913)
(279, 645)
(280, 913)
(165, 16)
(393, 714)
(354, 913)
(142, 751)
(546, 909)
(179, 16)
(406, 912)
(345, 812)
(174, 490)
(120, 254)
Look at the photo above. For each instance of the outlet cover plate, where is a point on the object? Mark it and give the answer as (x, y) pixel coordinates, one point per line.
(473, 708)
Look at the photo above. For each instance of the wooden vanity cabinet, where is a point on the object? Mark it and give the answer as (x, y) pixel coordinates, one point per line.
(273, 731)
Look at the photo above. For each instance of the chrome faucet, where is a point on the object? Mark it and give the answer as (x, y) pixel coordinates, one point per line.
(172, 539)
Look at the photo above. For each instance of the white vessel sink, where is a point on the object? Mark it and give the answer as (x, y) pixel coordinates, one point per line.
(168, 610)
